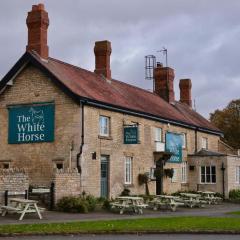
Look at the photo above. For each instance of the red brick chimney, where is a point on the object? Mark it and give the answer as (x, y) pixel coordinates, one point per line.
(185, 86)
(102, 52)
(164, 78)
(37, 22)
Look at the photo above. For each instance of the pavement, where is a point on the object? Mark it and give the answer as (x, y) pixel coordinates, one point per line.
(55, 217)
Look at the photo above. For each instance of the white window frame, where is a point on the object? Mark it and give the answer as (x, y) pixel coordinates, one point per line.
(158, 134)
(237, 174)
(175, 175)
(184, 172)
(205, 174)
(184, 140)
(204, 143)
(128, 170)
(104, 126)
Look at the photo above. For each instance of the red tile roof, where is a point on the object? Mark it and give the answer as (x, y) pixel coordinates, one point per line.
(86, 84)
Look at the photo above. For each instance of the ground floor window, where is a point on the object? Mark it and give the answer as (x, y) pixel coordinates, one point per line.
(175, 175)
(208, 174)
(184, 172)
(128, 170)
(238, 174)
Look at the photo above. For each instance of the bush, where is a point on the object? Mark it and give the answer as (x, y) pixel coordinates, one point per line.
(234, 194)
(82, 204)
(106, 204)
(125, 192)
(72, 204)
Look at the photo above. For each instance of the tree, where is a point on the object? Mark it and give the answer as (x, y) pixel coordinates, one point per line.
(228, 120)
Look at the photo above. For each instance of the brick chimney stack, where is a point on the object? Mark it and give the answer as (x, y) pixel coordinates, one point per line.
(37, 23)
(164, 78)
(102, 52)
(185, 86)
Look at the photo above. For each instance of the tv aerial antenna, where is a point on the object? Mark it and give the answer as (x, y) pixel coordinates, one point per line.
(164, 51)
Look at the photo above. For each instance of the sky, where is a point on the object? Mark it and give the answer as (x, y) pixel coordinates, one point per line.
(202, 38)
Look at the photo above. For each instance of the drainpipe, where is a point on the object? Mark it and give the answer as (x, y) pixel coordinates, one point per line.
(223, 179)
(196, 144)
(82, 138)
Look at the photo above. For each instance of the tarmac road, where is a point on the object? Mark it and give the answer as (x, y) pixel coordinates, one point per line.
(133, 237)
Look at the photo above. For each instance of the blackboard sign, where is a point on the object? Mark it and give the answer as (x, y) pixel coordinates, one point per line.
(130, 135)
(31, 123)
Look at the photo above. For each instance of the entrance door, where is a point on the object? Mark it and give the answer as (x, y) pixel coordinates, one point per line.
(159, 178)
(104, 176)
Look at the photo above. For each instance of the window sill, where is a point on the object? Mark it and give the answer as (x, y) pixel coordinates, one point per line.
(105, 137)
(207, 183)
(128, 185)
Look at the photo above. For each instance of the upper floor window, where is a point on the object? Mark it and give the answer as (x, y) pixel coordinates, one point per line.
(204, 143)
(104, 126)
(184, 140)
(158, 135)
(208, 174)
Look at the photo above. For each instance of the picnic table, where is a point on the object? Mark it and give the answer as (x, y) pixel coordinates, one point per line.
(166, 201)
(21, 206)
(191, 200)
(210, 197)
(135, 204)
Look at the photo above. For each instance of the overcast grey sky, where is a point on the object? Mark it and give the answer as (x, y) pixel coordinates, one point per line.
(202, 38)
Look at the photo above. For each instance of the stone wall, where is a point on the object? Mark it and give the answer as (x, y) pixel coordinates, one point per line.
(66, 183)
(39, 159)
(13, 180)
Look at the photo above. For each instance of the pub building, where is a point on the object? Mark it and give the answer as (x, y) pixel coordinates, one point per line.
(56, 115)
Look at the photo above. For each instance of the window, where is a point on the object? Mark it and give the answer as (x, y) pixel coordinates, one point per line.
(158, 135)
(204, 143)
(104, 126)
(175, 175)
(238, 174)
(208, 174)
(184, 140)
(128, 170)
(184, 172)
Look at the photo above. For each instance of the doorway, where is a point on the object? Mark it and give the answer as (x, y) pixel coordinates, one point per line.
(104, 176)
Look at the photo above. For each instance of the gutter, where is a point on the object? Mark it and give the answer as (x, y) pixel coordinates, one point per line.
(148, 116)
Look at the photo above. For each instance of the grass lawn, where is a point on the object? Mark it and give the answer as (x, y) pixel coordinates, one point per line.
(235, 213)
(174, 224)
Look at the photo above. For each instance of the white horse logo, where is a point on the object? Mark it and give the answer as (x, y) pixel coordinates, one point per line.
(37, 116)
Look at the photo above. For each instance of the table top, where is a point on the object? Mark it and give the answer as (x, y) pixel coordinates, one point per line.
(208, 192)
(130, 198)
(167, 196)
(190, 194)
(21, 200)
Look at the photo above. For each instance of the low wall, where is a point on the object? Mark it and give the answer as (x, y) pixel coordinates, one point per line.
(66, 183)
(13, 180)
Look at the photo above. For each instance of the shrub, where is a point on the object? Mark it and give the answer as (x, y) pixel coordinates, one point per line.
(72, 204)
(106, 204)
(234, 194)
(91, 202)
(125, 192)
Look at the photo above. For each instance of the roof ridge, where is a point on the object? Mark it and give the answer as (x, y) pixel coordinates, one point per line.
(71, 65)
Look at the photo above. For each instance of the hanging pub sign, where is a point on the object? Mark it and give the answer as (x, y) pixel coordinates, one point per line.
(130, 135)
(174, 146)
(31, 123)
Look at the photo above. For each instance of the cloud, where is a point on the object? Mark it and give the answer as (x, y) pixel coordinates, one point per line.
(201, 38)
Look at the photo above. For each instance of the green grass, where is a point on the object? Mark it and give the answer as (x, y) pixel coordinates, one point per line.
(235, 213)
(174, 224)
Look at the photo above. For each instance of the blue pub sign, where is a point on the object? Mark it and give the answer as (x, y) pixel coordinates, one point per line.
(31, 123)
(174, 143)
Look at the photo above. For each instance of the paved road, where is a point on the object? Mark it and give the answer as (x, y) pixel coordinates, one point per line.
(133, 237)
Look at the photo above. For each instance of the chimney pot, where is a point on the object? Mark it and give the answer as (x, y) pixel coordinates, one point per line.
(37, 23)
(102, 52)
(185, 86)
